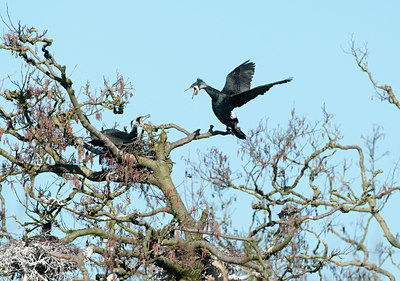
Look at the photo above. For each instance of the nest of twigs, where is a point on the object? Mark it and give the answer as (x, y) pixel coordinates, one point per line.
(36, 259)
(140, 147)
(126, 170)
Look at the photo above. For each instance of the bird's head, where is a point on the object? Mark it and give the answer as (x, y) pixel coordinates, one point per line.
(139, 120)
(197, 86)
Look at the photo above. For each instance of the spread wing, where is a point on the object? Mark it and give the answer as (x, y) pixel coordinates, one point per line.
(239, 79)
(240, 99)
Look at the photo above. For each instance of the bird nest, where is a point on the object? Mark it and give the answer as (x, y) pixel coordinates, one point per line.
(126, 170)
(137, 148)
(140, 148)
(36, 259)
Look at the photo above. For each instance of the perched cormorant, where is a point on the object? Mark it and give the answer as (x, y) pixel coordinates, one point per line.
(120, 137)
(235, 93)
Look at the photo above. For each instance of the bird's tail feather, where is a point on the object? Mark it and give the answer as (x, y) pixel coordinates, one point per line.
(238, 133)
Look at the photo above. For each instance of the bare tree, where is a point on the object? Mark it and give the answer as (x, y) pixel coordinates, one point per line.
(304, 187)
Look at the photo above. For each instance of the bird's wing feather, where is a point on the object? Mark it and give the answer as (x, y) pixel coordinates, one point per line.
(121, 135)
(239, 79)
(240, 99)
(110, 131)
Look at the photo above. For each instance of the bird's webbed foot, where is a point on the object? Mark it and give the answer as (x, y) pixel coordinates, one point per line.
(229, 130)
(223, 133)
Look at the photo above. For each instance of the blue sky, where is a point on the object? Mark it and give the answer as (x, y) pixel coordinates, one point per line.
(163, 46)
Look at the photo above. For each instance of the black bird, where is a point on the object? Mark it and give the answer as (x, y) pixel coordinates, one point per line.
(120, 137)
(235, 93)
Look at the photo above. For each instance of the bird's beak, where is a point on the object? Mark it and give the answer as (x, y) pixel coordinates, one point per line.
(145, 117)
(196, 90)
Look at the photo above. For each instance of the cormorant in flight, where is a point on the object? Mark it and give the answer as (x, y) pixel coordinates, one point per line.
(235, 93)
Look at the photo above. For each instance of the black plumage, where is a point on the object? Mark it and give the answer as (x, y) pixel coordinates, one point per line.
(119, 137)
(235, 93)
